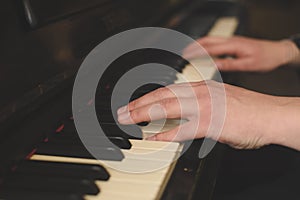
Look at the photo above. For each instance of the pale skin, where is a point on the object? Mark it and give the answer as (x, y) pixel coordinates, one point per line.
(252, 119)
(249, 54)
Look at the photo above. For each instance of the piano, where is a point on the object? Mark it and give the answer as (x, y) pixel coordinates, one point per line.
(43, 43)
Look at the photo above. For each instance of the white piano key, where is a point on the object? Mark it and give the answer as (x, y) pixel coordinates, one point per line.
(156, 128)
(149, 154)
(137, 166)
(128, 187)
(155, 145)
(224, 27)
(118, 196)
(125, 185)
(117, 191)
(64, 159)
(202, 69)
(153, 177)
(147, 183)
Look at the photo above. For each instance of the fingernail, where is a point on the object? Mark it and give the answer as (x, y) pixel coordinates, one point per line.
(122, 109)
(124, 117)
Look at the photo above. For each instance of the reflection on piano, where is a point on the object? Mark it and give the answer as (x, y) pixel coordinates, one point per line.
(43, 44)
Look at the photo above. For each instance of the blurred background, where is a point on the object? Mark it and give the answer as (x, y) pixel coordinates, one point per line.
(273, 19)
(271, 172)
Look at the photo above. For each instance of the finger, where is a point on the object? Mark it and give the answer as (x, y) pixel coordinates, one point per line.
(157, 110)
(187, 131)
(196, 49)
(167, 108)
(154, 96)
(193, 50)
(212, 40)
(222, 49)
(230, 64)
(207, 41)
(211, 50)
(183, 90)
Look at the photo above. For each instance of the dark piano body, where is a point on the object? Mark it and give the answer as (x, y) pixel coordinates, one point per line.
(43, 44)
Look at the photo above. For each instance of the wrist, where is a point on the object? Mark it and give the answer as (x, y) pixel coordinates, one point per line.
(285, 126)
(290, 52)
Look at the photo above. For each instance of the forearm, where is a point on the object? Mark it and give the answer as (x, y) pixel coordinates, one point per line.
(286, 127)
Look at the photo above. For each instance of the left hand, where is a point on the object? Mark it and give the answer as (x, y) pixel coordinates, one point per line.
(247, 54)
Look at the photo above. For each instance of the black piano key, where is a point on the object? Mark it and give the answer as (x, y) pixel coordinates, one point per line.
(160, 78)
(178, 64)
(114, 132)
(72, 138)
(68, 170)
(141, 91)
(103, 100)
(122, 143)
(106, 118)
(146, 89)
(50, 184)
(157, 78)
(206, 19)
(68, 126)
(181, 63)
(143, 124)
(103, 107)
(79, 151)
(17, 194)
(124, 131)
(111, 130)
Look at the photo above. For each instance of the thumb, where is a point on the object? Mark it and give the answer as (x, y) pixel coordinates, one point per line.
(187, 131)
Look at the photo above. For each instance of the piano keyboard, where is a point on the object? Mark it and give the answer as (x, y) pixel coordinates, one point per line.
(123, 185)
(223, 27)
(109, 183)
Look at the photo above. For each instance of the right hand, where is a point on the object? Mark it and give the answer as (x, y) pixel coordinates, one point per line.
(245, 54)
(248, 114)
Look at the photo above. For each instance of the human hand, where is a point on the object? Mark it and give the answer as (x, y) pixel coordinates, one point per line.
(250, 117)
(245, 54)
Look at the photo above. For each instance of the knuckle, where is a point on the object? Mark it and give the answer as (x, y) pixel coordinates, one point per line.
(132, 105)
(167, 103)
(135, 115)
(159, 92)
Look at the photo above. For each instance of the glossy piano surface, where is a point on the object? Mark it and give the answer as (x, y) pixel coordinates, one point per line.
(42, 46)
